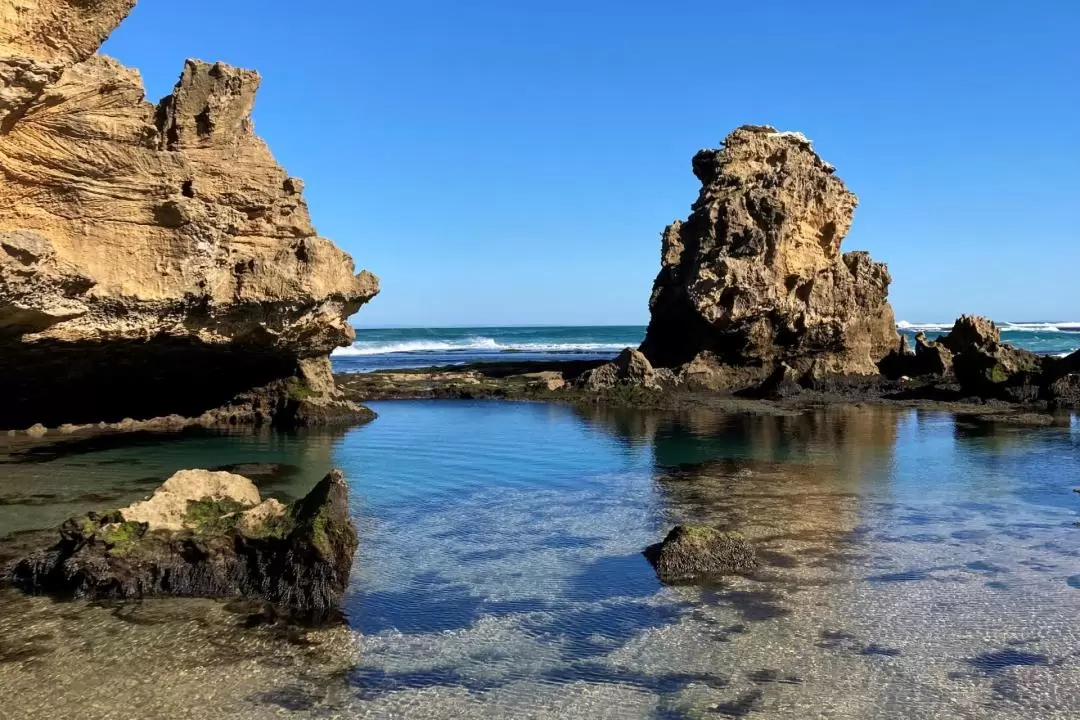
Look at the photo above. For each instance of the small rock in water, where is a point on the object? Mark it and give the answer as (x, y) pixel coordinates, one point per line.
(694, 553)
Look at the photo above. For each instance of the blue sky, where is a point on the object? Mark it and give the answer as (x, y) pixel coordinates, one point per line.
(514, 162)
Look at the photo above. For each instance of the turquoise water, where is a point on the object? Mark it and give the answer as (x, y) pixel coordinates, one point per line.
(397, 348)
(915, 565)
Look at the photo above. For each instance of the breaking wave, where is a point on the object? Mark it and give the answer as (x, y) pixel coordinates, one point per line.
(1040, 327)
(472, 344)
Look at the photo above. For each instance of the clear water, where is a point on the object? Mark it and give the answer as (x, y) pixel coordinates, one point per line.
(399, 348)
(915, 566)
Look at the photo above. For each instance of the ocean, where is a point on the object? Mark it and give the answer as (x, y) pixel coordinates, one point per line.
(401, 348)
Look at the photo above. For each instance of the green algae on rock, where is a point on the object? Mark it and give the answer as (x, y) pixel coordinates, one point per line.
(206, 534)
(697, 553)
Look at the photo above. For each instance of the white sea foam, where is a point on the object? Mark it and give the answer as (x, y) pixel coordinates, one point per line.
(476, 344)
(1042, 327)
(923, 327)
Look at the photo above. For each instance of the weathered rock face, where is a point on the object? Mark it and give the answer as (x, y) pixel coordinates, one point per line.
(971, 331)
(931, 358)
(630, 367)
(755, 275)
(153, 259)
(986, 368)
(206, 534)
(696, 553)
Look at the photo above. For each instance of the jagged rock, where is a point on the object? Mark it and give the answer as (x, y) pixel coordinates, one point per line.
(153, 259)
(696, 553)
(707, 372)
(970, 331)
(634, 367)
(600, 378)
(899, 362)
(931, 358)
(206, 534)
(783, 383)
(631, 367)
(1064, 391)
(986, 368)
(755, 275)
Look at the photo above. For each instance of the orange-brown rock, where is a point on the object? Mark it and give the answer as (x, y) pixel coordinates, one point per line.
(755, 277)
(154, 259)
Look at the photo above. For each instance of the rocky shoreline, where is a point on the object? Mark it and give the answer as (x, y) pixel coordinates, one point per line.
(561, 382)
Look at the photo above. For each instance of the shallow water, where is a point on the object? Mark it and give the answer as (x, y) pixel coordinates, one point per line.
(915, 565)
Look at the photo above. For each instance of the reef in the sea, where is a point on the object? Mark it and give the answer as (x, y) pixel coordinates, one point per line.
(206, 534)
(755, 277)
(154, 259)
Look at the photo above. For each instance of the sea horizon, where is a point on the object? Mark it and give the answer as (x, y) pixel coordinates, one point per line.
(390, 348)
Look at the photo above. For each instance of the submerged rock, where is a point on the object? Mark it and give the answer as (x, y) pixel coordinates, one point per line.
(755, 275)
(154, 260)
(206, 534)
(695, 553)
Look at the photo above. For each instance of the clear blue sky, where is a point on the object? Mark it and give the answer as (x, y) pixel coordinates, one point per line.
(513, 162)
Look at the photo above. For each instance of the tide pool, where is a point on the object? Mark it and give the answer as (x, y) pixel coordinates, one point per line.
(914, 565)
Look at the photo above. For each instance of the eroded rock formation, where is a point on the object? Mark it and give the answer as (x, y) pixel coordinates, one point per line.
(972, 356)
(206, 534)
(154, 260)
(755, 277)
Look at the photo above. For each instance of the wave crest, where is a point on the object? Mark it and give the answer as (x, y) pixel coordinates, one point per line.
(473, 344)
(1043, 327)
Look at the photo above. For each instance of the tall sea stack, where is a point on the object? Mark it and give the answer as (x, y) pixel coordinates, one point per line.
(154, 260)
(755, 278)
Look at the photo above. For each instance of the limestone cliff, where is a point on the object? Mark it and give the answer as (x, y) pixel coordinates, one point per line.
(754, 277)
(153, 259)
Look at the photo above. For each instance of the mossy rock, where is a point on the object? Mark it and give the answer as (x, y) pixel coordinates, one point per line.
(698, 553)
(213, 516)
(298, 390)
(123, 537)
(277, 527)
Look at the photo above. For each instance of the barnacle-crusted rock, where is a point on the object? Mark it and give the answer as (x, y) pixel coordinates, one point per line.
(696, 553)
(154, 260)
(206, 534)
(755, 275)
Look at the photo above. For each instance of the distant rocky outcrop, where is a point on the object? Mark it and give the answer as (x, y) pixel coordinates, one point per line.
(973, 356)
(697, 553)
(154, 260)
(985, 367)
(755, 277)
(206, 534)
